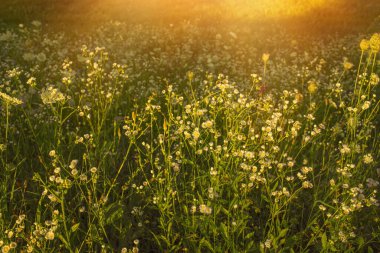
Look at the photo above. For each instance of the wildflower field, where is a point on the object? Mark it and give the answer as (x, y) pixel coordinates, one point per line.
(188, 138)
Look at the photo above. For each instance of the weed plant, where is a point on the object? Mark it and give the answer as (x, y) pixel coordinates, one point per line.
(157, 153)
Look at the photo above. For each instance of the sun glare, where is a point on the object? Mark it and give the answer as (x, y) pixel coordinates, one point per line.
(179, 9)
(274, 8)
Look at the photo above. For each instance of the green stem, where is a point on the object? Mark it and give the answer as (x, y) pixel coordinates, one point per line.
(358, 73)
(119, 170)
(265, 67)
(65, 225)
(7, 122)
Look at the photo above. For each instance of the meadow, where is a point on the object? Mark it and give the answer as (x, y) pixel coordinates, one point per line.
(182, 137)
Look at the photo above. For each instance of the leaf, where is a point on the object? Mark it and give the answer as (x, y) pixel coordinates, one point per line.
(36, 177)
(250, 235)
(225, 211)
(224, 230)
(170, 225)
(185, 209)
(274, 243)
(274, 188)
(60, 237)
(119, 133)
(283, 233)
(157, 240)
(291, 242)
(75, 227)
(187, 161)
(113, 213)
(206, 243)
(360, 241)
(265, 198)
(93, 231)
(250, 246)
(324, 241)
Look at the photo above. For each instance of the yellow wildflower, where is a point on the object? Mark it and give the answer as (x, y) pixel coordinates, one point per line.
(364, 44)
(312, 87)
(347, 65)
(265, 57)
(51, 95)
(196, 134)
(10, 100)
(374, 42)
(205, 209)
(5, 249)
(49, 235)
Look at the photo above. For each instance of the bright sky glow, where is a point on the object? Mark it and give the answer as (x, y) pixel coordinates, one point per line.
(275, 8)
(250, 9)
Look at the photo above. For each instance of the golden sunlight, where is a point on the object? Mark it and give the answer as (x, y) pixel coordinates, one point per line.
(274, 8)
(179, 9)
(189, 126)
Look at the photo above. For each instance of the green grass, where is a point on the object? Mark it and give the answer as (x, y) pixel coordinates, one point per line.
(186, 138)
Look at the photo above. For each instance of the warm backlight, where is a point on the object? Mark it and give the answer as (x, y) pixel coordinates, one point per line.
(274, 8)
(180, 9)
